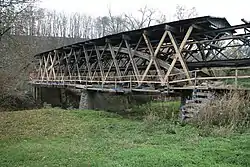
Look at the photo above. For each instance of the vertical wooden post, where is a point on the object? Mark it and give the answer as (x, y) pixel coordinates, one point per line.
(86, 81)
(115, 83)
(236, 78)
(34, 93)
(130, 82)
(195, 76)
(168, 82)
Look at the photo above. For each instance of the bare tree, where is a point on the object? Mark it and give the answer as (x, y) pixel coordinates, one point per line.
(116, 23)
(10, 10)
(182, 12)
(145, 19)
(21, 18)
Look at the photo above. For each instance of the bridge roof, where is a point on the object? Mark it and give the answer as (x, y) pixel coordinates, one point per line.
(204, 26)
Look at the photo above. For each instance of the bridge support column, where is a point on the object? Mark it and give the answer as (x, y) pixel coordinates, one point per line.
(111, 101)
(63, 98)
(84, 101)
(185, 94)
(37, 94)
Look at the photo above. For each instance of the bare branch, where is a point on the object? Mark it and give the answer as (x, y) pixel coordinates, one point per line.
(183, 12)
(10, 11)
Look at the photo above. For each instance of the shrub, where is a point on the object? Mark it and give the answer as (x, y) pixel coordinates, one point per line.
(230, 112)
(16, 102)
(157, 111)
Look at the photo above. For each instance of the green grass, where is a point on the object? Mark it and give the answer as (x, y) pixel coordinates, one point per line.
(55, 137)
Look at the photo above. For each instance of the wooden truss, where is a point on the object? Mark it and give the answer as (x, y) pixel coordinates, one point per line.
(145, 61)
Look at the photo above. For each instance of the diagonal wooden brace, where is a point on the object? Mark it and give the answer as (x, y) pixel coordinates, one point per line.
(100, 64)
(46, 61)
(86, 55)
(178, 55)
(134, 65)
(153, 55)
(114, 60)
(52, 66)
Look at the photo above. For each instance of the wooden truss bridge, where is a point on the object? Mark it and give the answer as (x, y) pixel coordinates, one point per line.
(204, 52)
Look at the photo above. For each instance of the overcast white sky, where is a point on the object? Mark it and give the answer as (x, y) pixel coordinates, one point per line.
(233, 10)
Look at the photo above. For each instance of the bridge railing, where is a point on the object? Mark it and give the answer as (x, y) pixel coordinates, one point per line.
(226, 76)
(234, 77)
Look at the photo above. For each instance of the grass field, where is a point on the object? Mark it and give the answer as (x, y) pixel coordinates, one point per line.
(55, 137)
